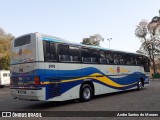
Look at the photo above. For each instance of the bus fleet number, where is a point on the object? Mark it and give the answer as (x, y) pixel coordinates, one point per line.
(51, 66)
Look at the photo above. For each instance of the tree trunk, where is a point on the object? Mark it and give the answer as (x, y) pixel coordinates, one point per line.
(148, 48)
(151, 55)
(154, 67)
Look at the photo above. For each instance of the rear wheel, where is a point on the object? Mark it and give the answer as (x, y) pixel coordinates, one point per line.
(139, 85)
(86, 93)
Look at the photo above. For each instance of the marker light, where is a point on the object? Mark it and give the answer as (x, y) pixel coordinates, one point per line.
(37, 81)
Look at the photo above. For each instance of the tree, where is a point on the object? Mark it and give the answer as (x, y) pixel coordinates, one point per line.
(148, 33)
(5, 45)
(4, 63)
(1, 31)
(93, 40)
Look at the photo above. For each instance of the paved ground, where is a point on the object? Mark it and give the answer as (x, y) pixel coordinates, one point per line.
(144, 100)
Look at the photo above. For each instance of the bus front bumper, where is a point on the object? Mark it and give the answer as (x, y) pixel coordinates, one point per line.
(28, 93)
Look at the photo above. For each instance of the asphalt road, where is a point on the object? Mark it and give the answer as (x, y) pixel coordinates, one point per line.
(147, 99)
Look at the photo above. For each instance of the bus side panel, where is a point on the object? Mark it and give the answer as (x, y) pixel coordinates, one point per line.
(125, 75)
(50, 72)
(120, 77)
(93, 73)
(69, 73)
(51, 80)
(141, 74)
(107, 70)
(42, 65)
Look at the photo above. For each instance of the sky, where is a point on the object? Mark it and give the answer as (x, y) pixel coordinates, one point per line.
(74, 20)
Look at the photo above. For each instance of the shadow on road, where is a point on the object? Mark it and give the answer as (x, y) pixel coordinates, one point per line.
(116, 93)
(52, 104)
(49, 104)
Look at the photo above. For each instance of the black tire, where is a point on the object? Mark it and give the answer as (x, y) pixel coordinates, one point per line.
(140, 85)
(86, 93)
(2, 86)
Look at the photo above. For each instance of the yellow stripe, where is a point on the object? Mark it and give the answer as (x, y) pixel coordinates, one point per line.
(103, 79)
(44, 83)
(108, 81)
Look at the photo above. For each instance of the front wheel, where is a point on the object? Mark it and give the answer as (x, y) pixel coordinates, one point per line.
(139, 85)
(86, 93)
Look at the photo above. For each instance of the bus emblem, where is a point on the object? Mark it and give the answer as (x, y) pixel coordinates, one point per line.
(118, 69)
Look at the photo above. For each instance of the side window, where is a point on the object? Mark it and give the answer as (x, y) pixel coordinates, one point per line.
(109, 57)
(94, 56)
(64, 53)
(146, 64)
(85, 56)
(74, 54)
(122, 58)
(116, 58)
(52, 51)
(102, 58)
(132, 59)
(139, 60)
(49, 51)
(127, 59)
(46, 51)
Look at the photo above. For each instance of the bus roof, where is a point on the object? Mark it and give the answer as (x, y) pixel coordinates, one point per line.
(60, 40)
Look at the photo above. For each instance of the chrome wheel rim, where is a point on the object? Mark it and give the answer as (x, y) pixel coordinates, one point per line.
(140, 85)
(86, 93)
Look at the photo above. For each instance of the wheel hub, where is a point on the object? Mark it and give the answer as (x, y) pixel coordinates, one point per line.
(86, 93)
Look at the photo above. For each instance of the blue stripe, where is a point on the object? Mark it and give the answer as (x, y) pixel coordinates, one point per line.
(56, 75)
(52, 39)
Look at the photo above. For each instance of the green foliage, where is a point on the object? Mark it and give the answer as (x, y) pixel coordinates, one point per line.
(88, 41)
(5, 46)
(4, 63)
(93, 40)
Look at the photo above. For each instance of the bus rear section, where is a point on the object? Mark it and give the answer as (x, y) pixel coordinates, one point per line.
(25, 80)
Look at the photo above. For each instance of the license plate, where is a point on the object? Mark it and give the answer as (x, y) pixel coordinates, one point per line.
(22, 92)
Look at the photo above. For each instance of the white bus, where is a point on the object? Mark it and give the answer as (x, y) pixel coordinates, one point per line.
(4, 78)
(48, 68)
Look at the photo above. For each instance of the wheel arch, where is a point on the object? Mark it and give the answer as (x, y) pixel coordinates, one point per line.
(89, 83)
(142, 80)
